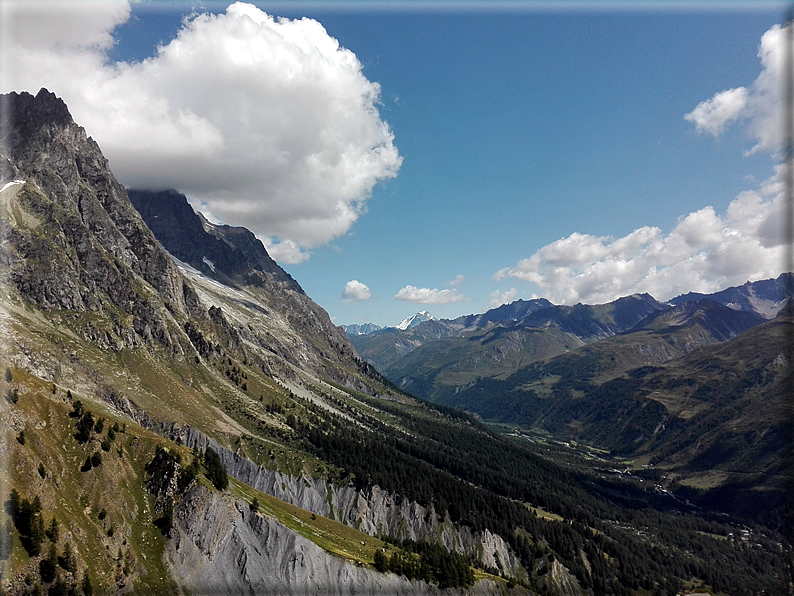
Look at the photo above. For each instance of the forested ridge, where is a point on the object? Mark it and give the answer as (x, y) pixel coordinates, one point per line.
(616, 537)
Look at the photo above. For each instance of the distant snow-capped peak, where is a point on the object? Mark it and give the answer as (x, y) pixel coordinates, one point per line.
(414, 320)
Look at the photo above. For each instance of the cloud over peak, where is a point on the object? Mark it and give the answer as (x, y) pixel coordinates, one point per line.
(267, 122)
(428, 296)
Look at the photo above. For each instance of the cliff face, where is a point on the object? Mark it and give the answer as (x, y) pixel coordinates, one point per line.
(219, 546)
(372, 510)
(77, 243)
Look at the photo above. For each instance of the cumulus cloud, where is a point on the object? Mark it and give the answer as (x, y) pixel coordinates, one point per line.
(713, 114)
(428, 295)
(355, 291)
(459, 279)
(267, 122)
(705, 252)
(759, 105)
(499, 297)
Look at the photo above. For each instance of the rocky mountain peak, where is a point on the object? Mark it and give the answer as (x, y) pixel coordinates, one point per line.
(77, 242)
(30, 113)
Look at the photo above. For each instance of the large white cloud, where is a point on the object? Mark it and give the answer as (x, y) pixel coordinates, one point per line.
(267, 122)
(428, 295)
(704, 252)
(760, 104)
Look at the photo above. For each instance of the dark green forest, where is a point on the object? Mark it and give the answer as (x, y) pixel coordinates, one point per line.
(631, 537)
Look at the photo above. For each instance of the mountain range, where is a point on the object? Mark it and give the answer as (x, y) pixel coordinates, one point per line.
(180, 417)
(628, 377)
(503, 339)
(406, 323)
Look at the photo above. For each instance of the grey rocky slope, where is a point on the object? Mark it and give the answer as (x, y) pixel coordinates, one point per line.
(220, 546)
(372, 510)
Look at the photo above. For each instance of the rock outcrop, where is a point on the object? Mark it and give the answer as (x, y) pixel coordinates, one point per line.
(78, 243)
(372, 510)
(219, 546)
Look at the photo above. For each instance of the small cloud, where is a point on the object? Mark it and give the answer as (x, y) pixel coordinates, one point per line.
(713, 114)
(457, 281)
(355, 291)
(499, 297)
(428, 295)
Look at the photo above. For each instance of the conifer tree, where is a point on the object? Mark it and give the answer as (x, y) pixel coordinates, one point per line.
(88, 588)
(53, 530)
(47, 565)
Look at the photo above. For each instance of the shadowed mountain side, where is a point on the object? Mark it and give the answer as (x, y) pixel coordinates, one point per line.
(229, 254)
(236, 258)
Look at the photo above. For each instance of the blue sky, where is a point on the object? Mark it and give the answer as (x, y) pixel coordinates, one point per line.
(536, 150)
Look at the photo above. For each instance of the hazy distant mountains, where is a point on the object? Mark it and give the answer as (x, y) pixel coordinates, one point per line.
(405, 324)
(765, 298)
(695, 385)
(501, 340)
(363, 329)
